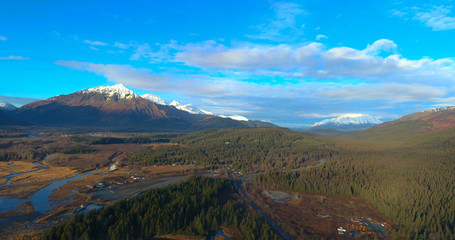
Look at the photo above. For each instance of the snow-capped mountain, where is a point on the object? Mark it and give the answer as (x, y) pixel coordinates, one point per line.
(117, 107)
(348, 122)
(4, 105)
(189, 108)
(118, 91)
(154, 99)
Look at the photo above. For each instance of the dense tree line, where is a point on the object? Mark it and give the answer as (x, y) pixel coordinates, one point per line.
(19, 150)
(412, 182)
(195, 207)
(155, 138)
(248, 149)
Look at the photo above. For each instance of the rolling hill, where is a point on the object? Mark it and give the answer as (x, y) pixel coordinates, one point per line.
(410, 125)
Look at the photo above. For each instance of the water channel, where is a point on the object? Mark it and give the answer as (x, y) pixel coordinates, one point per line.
(40, 200)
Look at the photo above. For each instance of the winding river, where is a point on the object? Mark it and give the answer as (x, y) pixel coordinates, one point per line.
(40, 200)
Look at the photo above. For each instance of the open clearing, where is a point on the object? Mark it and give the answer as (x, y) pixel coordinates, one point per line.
(311, 215)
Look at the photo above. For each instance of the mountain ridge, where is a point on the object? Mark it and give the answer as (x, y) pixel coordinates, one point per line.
(120, 108)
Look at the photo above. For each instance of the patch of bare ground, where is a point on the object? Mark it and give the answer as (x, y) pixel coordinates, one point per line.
(3, 181)
(232, 232)
(16, 167)
(23, 235)
(305, 215)
(158, 145)
(177, 237)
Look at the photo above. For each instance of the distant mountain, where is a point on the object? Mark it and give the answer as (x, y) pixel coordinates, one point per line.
(154, 99)
(347, 122)
(116, 107)
(412, 124)
(4, 105)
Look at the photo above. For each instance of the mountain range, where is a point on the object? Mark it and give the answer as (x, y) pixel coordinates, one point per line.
(116, 107)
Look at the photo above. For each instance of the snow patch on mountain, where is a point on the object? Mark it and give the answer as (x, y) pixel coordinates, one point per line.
(360, 121)
(118, 90)
(154, 99)
(235, 117)
(189, 108)
(441, 109)
(4, 105)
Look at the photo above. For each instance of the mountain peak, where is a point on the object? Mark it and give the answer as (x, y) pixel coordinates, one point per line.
(117, 90)
(189, 108)
(154, 99)
(4, 105)
(175, 103)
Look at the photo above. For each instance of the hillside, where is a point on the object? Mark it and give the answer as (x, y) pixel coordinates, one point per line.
(7, 119)
(246, 149)
(411, 125)
(410, 181)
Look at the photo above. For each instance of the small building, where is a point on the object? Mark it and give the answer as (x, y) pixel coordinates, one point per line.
(100, 185)
(341, 231)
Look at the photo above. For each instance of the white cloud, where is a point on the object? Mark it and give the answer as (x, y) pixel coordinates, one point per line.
(321, 36)
(393, 92)
(319, 115)
(397, 13)
(250, 58)
(123, 45)
(124, 74)
(145, 52)
(95, 43)
(377, 62)
(437, 18)
(283, 26)
(14, 58)
(3, 38)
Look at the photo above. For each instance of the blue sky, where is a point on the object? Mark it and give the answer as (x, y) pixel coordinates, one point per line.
(291, 63)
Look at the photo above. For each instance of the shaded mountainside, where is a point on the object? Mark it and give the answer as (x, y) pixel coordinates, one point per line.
(411, 125)
(89, 109)
(6, 119)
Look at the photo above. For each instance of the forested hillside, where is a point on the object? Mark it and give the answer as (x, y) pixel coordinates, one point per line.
(412, 182)
(247, 149)
(196, 207)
